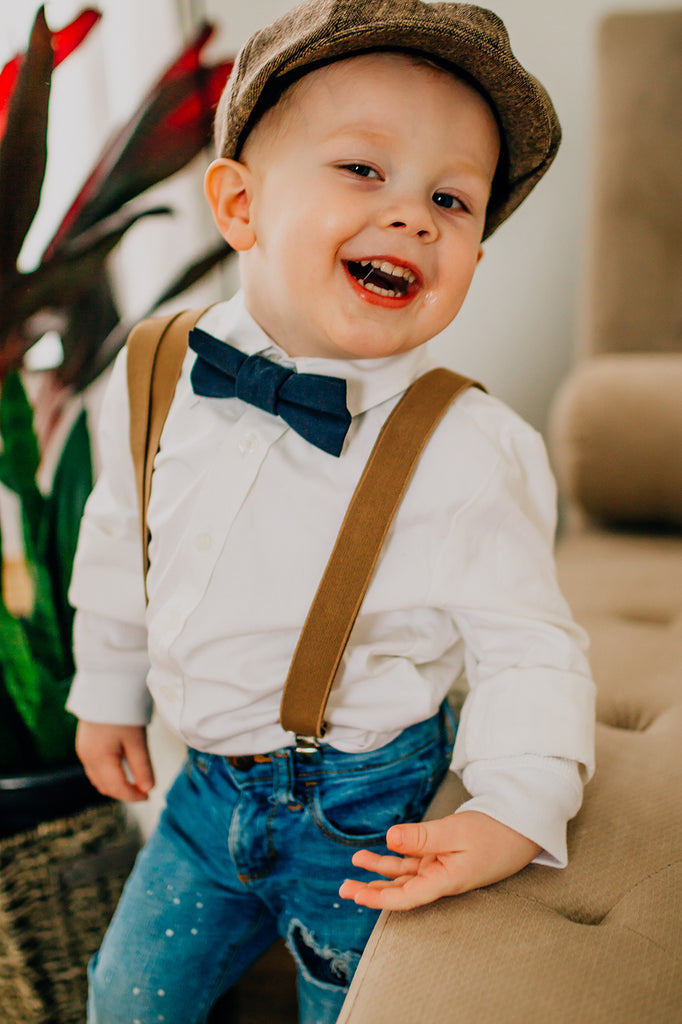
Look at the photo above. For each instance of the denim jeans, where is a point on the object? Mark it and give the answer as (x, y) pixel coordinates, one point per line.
(249, 849)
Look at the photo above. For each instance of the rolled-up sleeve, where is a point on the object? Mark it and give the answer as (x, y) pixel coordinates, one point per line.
(525, 742)
(107, 587)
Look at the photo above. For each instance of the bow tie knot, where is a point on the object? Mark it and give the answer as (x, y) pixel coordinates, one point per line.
(312, 404)
(258, 381)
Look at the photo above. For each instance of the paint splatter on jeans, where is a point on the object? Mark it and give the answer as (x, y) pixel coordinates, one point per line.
(248, 851)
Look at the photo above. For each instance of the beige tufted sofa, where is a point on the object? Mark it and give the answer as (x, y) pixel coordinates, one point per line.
(601, 941)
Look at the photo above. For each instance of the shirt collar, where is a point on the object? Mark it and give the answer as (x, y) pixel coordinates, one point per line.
(369, 381)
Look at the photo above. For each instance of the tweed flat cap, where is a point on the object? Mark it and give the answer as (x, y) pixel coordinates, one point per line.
(463, 36)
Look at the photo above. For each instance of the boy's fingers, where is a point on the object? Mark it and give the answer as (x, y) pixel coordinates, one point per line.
(403, 894)
(137, 758)
(359, 891)
(389, 867)
(109, 778)
(423, 837)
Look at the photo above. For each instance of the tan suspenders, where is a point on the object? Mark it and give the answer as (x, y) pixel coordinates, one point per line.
(156, 350)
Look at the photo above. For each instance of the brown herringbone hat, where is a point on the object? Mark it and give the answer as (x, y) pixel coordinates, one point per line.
(464, 36)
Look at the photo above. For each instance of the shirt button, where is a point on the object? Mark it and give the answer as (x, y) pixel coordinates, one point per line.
(203, 542)
(169, 693)
(248, 444)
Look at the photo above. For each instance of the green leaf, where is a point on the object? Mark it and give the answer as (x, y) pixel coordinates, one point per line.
(37, 693)
(23, 148)
(71, 487)
(20, 455)
(37, 696)
(20, 670)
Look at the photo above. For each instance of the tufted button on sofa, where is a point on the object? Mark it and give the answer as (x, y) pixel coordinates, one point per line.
(600, 941)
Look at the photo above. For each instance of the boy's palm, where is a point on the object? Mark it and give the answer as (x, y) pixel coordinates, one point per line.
(439, 858)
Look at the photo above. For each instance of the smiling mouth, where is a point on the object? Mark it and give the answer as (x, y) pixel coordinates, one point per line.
(383, 277)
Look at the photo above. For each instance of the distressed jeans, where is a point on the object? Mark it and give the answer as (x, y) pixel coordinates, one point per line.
(249, 849)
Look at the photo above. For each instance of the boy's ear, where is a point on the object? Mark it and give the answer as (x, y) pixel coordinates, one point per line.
(228, 188)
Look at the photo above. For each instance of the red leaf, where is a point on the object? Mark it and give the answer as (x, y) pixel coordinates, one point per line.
(200, 106)
(8, 78)
(23, 147)
(150, 147)
(65, 40)
(189, 58)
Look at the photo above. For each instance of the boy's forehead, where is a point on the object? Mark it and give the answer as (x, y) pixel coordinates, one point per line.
(344, 91)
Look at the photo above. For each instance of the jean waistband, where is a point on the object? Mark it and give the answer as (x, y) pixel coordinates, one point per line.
(327, 757)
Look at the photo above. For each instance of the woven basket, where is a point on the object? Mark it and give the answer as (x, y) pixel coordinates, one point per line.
(59, 886)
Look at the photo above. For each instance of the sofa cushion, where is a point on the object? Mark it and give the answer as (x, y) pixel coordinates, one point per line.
(600, 940)
(634, 299)
(616, 438)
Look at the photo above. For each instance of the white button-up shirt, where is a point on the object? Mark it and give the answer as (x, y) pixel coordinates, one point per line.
(243, 516)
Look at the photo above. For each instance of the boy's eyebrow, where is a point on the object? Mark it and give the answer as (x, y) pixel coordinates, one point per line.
(359, 131)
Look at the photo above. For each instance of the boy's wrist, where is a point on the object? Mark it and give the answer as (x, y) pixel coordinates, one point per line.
(536, 796)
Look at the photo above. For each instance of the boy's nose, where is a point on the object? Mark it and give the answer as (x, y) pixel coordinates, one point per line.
(411, 216)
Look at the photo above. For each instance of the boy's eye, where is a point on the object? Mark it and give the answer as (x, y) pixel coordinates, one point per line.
(447, 201)
(361, 170)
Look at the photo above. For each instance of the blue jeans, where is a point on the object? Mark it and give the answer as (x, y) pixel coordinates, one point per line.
(249, 849)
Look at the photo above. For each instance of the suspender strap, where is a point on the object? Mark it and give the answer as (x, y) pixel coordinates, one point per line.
(352, 562)
(156, 352)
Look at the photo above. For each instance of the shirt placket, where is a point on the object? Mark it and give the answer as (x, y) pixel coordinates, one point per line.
(233, 471)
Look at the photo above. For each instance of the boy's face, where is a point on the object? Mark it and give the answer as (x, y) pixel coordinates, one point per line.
(365, 191)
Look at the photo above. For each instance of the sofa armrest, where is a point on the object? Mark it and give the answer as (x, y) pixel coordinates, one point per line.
(616, 438)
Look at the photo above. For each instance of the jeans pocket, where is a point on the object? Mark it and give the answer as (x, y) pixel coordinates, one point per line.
(357, 808)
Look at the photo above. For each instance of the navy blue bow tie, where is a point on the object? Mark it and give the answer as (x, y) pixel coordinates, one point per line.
(313, 405)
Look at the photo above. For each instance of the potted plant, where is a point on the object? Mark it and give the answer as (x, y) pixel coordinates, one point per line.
(70, 292)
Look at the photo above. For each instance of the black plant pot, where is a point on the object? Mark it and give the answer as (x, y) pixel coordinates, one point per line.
(29, 799)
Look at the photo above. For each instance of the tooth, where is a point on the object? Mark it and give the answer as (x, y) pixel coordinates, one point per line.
(389, 268)
(380, 291)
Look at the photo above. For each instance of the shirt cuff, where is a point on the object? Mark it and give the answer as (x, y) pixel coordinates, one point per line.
(556, 721)
(109, 698)
(118, 696)
(534, 795)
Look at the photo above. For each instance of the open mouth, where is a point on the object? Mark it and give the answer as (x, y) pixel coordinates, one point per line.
(383, 277)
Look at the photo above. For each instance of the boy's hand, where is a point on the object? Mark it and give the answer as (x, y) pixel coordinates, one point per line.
(440, 858)
(103, 749)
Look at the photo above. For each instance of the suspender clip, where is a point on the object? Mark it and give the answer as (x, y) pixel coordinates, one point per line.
(307, 744)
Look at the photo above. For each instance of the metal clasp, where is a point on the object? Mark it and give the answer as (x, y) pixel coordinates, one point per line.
(307, 744)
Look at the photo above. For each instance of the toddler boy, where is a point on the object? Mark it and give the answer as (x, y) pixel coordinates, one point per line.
(365, 149)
